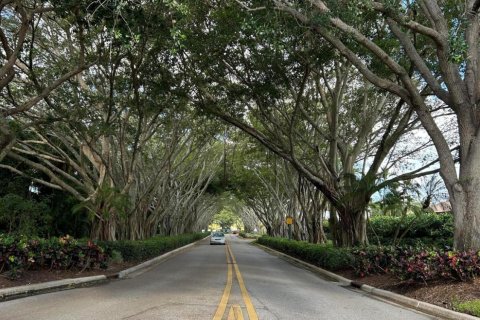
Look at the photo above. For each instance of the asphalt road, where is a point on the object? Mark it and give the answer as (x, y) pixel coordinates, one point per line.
(237, 281)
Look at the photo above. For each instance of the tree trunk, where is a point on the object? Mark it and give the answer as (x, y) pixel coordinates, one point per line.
(334, 227)
(314, 226)
(465, 201)
(352, 228)
(104, 229)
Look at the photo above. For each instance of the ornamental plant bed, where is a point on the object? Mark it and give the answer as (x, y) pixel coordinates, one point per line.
(19, 253)
(26, 260)
(44, 275)
(443, 293)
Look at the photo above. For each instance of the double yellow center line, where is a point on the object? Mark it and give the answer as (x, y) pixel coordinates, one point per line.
(235, 311)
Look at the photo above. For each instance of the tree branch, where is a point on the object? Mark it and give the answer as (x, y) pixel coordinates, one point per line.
(20, 173)
(414, 174)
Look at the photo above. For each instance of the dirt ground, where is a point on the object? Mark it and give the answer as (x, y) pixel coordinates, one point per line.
(440, 293)
(44, 275)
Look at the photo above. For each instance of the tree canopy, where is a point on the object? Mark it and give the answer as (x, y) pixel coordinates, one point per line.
(324, 106)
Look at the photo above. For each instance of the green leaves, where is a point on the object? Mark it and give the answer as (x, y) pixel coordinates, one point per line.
(417, 264)
(226, 219)
(18, 253)
(458, 49)
(24, 216)
(325, 256)
(429, 228)
(138, 251)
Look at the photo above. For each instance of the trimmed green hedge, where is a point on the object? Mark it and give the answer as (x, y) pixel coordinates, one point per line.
(141, 250)
(247, 235)
(322, 255)
(419, 264)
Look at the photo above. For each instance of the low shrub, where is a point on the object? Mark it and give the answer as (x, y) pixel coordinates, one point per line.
(116, 256)
(416, 263)
(140, 250)
(19, 253)
(372, 260)
(322, 255)
(420, 264)
(248, 235)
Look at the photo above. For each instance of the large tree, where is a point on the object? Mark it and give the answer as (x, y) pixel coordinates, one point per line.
(439, 41)
(128, 145)
(33, 65)
(318, 113)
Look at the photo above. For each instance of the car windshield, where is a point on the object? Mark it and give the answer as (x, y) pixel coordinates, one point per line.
(218, 234)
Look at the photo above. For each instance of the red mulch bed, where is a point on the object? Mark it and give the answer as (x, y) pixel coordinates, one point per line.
(44, 275)
(440, 293)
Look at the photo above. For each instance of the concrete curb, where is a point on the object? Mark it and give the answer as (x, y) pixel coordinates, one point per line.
(65, 284)
(142, 267)
(387, 295)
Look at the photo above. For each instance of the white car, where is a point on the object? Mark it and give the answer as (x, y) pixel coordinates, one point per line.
(217, 238)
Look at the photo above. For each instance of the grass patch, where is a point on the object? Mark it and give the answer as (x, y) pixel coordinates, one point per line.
(471, 307)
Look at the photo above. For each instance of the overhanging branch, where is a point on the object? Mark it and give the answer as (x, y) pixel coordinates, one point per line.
(415, 173)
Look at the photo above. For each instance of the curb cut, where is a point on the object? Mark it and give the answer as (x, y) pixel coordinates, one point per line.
(65, 284)
(144, 266)
(425, 307)
(72, 283)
